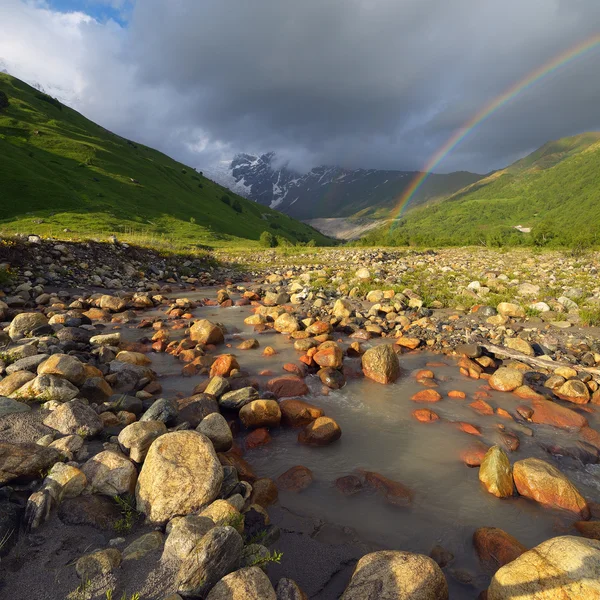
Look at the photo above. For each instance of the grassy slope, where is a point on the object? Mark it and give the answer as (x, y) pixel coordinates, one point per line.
(556, 189)
(59, 170)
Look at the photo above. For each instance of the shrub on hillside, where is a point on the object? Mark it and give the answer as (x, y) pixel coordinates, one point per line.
(4, 103)
(236, 206)
(267, 240)
(226, 199)
(49, 100)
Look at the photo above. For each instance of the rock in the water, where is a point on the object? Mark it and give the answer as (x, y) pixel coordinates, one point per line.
(181, 474)
(74, 417)
(216, 429)
(260, 413)
(544, 483)
(562, 568)
(110, 474)
(138, 437)
(506, 380)
(217, 554)
(381, 364)
(394, 575)
(249, 583)
(495, 473)
(287, 386)
(496, 548)
(235, 399)
(205, 332)
(223, 365)
(25, 461)
(297, 413)
(320, 432)
(295, 479)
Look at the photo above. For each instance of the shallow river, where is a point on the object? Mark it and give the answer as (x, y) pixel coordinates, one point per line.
(379, 434)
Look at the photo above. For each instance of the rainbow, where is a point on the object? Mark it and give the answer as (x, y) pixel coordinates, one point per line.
(461, 133)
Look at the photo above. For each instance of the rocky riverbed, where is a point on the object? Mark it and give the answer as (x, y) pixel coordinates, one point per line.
(345, 423)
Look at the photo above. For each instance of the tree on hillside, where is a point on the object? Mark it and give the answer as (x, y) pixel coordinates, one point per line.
(267, 240)
(4, 103)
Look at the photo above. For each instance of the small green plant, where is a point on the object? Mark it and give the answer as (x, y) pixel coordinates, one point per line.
(129, 514)
(192, 220)
(235, 520)
(590, 317)
(532, 312)
(83, 590)
(272, 557)
(135, 596)
(267, 240)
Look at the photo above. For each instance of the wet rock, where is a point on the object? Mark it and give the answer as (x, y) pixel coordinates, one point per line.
(469, 350)
(65, 366)
(260, 413)
(249, 583)
(550, 413)
(216, 429)
(588, 529)
(46, 388)
(297, 413)
(560, 568)
(428, 395)
(349, 484)
(110, 474)
(295, 479)
(258, 437)
(424, 415)
(329, 354)
(236, 399)
(332, 378)
(217, 386)
(264, 492)
(506, 380)
(181, 474)
(320, 432)
(393, 491)
(574, 391)
(441, 556)
(473, 455)
(496, 548)
(243, 468)
(184, 534)
(390, 575)
(163, 410)
(97, 564)
(74, 418)
(495, 473)
(381, 364)
(223, 365)
(287, 386)
(195, 408)
(540, 481)
(138, 437)
(217, 554)
(205, 332)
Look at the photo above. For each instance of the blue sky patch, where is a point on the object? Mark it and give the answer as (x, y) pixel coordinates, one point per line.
(101, 10)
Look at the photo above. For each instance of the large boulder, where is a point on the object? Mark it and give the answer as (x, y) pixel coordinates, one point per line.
(183, 535)
(550, 413)
(574, 391)
(181, 474)
(217, 554)
(495, 473)
(286, 323)
(63, 365)
(329, 354)
(540, 481)
(205, 332)
(506, 379)
(381, 364)
(110, 474)
(11, 383)
(25, 323)
(250, 583)
(25, 461)
(138, 437)
(74, 417)
(562, 568)
(47, 387)
(395, 575)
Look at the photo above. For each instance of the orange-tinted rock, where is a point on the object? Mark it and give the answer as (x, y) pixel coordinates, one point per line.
(424, 374)
(482, 407)
(527, 393)
(381, 364)
(510, 441)
(544, 483)
(393, 491)
(329, 354)
(457, 394)
(295, 479)
(287, 386)
(428, 395)
(269, 351)
(232, 459)
(299, 370)
(468, 428)
(260, 413)
(589, 529)
(223, 365)
(591, 436)
(319, 328)
(320, 432)
(408, 342)
(496, 548)
(470, 368)
(349, 485)
(424, 415)
(474, 454)
(574, 391)
(504, 414)
(258, 437)
(550, 413)
(297, 413)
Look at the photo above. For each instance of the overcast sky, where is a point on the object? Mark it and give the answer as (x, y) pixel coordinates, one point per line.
(359, 83)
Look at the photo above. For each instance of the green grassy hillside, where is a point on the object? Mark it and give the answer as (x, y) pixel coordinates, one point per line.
(555, 191)
(60, 171)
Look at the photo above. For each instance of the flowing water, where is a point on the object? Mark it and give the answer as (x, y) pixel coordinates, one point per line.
(379, 434)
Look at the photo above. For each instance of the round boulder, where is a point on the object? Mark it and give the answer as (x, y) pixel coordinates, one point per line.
(381, 364)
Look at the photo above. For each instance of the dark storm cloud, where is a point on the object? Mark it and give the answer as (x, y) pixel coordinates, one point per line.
(374, 83)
